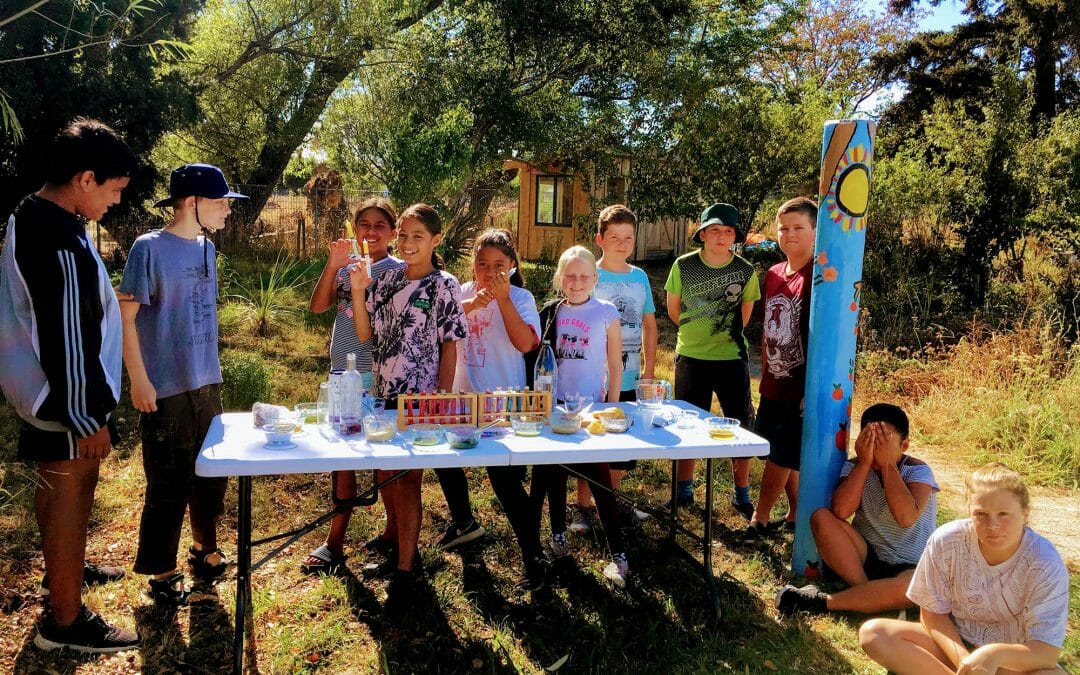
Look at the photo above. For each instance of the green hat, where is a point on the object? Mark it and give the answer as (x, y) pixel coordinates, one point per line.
(720, 214)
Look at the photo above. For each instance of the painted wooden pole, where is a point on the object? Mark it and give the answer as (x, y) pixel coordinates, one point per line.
(843, 191)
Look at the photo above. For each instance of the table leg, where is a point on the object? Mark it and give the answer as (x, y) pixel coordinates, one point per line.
(243, 570)
(674, 499)
(707, 541)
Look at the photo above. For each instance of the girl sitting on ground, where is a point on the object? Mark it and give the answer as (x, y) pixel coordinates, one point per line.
(993, 594)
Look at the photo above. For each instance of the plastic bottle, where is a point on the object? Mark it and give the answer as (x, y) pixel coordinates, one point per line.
(546, 371)
(350, 394)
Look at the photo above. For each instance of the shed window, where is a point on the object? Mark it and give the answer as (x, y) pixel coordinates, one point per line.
(554, 201)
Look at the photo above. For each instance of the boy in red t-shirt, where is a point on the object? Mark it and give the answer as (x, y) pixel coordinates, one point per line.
(783, 361)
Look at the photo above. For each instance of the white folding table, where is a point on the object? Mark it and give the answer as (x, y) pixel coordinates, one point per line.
(234, 447)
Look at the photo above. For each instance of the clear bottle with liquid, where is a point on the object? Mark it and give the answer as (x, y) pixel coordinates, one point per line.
(350, 396)
(546, 371)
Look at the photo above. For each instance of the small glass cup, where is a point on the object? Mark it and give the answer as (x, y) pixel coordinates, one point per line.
(646, 415)
(687, 419)
(322, 409)
(308, 413)
(374, 405)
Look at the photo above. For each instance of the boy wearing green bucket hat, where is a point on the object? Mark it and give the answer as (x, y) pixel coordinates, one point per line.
(710, 296)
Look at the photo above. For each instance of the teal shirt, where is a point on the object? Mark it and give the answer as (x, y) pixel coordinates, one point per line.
(631, 294)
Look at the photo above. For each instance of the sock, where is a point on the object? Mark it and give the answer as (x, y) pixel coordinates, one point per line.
(742, 494)
(619, 557)
(686, 489)
(559, 538)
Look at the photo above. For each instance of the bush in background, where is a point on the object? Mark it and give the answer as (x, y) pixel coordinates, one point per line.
(246, 380)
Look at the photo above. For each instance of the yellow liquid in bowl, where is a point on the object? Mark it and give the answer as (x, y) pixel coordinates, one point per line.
(721, 433)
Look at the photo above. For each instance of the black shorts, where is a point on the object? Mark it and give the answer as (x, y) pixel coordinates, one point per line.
(627, 396)
(876, 568)
(36, 445)
(780, 423)
(696, 380)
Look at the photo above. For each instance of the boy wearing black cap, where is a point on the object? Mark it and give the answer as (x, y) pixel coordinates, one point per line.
(61, 366)
(171, 328)
(710, 296)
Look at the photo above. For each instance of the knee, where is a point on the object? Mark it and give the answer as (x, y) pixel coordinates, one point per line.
(821, 519)
(873, 634)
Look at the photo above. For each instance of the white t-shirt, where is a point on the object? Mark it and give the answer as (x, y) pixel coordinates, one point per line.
(581, 348)
(874, 521)
(631, 294)
(486, 359)
(1024, 598)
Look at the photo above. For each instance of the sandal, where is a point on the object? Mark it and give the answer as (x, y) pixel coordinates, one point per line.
(328, 562)
(381, 545)
(169, 592)
(204, 570)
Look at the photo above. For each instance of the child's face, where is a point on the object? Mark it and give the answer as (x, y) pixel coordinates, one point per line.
(718, 238)
(796, 234)
(213, 212)
(373, 227)
(578, 279)
(617, 242)
(415, 244)
(488, 263)
(93, 199)
(999, 520)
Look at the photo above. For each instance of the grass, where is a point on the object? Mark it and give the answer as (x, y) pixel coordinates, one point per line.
(470, 620)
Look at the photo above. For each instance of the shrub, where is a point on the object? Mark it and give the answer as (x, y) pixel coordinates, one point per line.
(246, 380)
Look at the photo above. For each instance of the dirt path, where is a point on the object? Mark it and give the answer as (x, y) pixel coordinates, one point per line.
(1055, 513)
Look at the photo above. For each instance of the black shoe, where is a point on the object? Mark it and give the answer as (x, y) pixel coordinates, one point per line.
(744, 509)
(756, 531)
(381, 545)
(380, 570)
(535, 578)
(168, 592)
(456, 536)
(88, 634)
(201, 569)
(681, 502)
(92, 575)
(806, 599)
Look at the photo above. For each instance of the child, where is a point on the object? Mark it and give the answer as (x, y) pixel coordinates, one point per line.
(627, 287)
(710, 296)
(894, 499)
(411, 315)
(993, 594)
(374, 222)
(61, 355)
(586, 336)
(503, 326)
(783, 361)
(171, 354)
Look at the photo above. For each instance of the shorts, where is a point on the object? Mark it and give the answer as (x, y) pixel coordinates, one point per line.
(780, 423)
(696, 380)
(627, 396)
(876, 568)
(36, 445)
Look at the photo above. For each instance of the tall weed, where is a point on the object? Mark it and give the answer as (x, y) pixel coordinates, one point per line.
(271, 297)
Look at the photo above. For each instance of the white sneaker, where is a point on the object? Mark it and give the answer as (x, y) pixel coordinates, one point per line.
(617, 572)
(581, 523)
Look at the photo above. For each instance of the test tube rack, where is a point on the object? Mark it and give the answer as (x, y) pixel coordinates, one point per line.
(495, 408)
(436, 408)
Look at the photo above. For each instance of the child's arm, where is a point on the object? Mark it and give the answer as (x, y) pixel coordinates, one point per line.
(322, 298)
(1029, 656)
(359, 282)
(849, 490)
(614, 361)
(520, 333)
(648, 345)
(674, 307)
(447, 365)
(143, 394)
(905, 500)
(747, 312)
(943, 632)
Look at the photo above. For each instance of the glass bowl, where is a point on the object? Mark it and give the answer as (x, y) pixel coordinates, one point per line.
(565, 422)
(279, 433)
(527, 424)
(426, 434)
(462, 436)
(379, 429)
(721, 427)
(616, 424)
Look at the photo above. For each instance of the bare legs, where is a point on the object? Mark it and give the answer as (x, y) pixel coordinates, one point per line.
(62, 506)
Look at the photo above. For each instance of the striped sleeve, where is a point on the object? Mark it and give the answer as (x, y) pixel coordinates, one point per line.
(64, 289)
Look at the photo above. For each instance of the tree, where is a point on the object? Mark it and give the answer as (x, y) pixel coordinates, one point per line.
(90, 59)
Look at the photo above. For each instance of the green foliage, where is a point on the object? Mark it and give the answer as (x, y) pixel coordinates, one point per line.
(246, 380)
(270, 297)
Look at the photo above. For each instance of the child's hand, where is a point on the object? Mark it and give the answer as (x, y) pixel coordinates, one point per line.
(500, 286)
(482, 299)
(866, 444)
(359, 277)
(982, 660)
(143, 395)
(339, 254)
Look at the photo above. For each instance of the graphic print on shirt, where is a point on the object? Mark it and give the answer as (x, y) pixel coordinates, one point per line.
(203, 305)
(573, 342)
(475, 345)
(624, 298)
(783, 344)
(711, 294)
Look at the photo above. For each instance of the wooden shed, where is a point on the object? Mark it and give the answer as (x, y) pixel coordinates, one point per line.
(556, 211)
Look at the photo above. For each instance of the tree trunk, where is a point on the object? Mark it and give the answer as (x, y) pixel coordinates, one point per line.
(467, 212)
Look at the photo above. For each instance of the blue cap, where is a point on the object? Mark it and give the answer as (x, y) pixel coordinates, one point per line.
(199, 180)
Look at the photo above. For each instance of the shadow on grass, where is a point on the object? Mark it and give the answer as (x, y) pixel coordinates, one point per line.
(163, 646)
